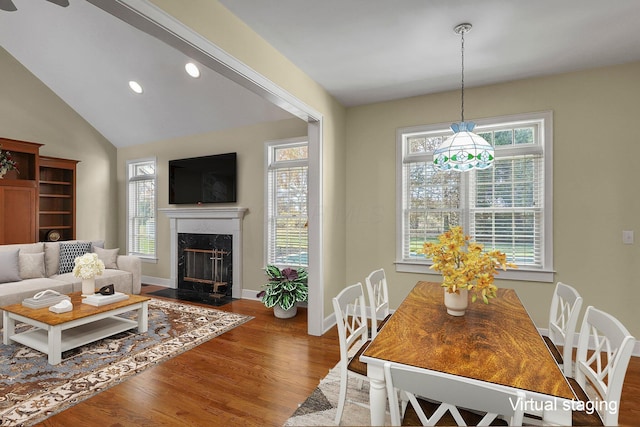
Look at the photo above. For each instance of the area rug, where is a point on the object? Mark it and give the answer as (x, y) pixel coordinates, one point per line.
(319, 409)
(32, 390)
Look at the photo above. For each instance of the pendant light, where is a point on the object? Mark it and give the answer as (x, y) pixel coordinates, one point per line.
(464, 150)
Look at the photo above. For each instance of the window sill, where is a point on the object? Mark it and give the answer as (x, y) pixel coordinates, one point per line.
(148, 259)
(523, 274)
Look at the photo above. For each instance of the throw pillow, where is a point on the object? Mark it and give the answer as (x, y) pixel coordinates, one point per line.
(31, 265)
(9, 266)
(108, 256)
(68, 254)
(97, 244)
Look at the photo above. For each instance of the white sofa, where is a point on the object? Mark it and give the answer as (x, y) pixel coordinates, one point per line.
(26, 269)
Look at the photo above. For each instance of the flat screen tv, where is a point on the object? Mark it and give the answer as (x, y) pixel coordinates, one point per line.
(208, 179)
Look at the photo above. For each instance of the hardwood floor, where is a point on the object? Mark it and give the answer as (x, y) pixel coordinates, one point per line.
(253, 375)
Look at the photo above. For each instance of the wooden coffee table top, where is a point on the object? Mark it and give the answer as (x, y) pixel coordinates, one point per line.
(79, 311)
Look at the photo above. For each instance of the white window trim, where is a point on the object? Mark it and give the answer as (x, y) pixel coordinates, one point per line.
(545, 274)
(144, 258)
(267, 166)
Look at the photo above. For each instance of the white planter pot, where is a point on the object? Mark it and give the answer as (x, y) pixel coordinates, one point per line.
(456, 303)
(89, 286)
(285, 314)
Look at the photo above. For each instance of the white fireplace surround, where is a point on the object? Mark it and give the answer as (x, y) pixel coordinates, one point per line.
(206, 220)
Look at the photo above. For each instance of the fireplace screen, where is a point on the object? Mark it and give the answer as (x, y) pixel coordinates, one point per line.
(204, 264)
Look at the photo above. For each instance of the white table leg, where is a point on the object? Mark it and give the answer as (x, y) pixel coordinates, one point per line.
(143, 317)
(9, 327)
(377, 394)
(55, 344)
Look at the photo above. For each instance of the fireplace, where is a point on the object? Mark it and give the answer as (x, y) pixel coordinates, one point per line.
(206, 251)
(205, 264)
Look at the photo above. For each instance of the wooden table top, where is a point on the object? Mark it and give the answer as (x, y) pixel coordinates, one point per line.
(496, 342)
(79, 311)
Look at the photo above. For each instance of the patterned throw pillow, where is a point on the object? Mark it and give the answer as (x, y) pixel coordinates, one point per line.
(68, 254)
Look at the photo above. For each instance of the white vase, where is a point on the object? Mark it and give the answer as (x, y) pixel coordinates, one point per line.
(285, 314)
(456, 303)
(89, 286)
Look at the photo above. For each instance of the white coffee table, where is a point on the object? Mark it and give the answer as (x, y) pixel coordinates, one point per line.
(84, 324)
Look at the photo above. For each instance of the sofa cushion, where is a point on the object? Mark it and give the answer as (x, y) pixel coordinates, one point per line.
(108, 256)
(9, 266)
(122, 280)
(24, 247)
(31, 265)
(52, 254)
(69, 252)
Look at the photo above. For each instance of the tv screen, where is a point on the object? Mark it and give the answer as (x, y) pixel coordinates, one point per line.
(208, 179)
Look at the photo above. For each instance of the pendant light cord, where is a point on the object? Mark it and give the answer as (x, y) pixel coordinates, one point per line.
(462, 86)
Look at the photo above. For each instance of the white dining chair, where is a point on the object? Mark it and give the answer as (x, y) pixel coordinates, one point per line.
(351, 318)
(378, 293)
(434, 397)
(563, 319)
(604, 350)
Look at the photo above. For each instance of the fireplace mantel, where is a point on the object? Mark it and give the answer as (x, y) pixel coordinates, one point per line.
(208, 220)
(204, 212)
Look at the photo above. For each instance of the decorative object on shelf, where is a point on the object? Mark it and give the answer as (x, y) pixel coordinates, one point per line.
(284, 290)
(464, 150)
(87, 267)
(53, 236)
(6, 163)
(464, 265)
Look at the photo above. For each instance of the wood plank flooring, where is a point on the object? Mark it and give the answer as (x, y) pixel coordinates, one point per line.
(253, 375)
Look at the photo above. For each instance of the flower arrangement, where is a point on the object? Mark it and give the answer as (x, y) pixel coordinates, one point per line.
(88, 266)
(464, 264)
(6, 163)
(285, 287)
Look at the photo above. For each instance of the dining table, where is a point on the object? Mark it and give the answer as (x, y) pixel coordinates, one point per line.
(495, 343)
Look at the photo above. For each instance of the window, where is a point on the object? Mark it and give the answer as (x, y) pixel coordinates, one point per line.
(506, 207)
(286, 211)
(141, 208)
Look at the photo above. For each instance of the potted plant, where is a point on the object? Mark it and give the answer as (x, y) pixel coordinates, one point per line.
(284, 290)
(6, 163)
(465, 267)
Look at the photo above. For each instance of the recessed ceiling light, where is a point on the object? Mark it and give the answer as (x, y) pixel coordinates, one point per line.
(192, 70)
(135, 86)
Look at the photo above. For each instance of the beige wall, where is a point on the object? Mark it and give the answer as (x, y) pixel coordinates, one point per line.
(30, 111)
(213, 21)
(248, 142)
(595, 182)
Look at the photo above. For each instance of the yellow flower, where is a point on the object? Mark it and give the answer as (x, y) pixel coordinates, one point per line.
(464, 264)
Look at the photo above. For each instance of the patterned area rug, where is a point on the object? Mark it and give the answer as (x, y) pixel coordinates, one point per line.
(320, 407)
(32, 390)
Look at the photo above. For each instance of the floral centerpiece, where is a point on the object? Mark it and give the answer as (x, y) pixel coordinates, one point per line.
(465, 265)
(6, 163)
(285, 288)
(87, 267)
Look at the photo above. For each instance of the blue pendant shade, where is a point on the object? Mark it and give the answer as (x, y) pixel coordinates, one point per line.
(464, 150)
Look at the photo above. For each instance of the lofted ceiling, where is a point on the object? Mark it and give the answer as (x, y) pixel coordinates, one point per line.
(361, 51)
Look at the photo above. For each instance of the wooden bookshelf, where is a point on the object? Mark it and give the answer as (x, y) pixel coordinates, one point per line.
(57, 199)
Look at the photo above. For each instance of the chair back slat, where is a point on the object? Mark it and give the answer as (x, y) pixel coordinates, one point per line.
(604, 350)
(378, 293)
(452, 393)
(563, 319)
(351, 319)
